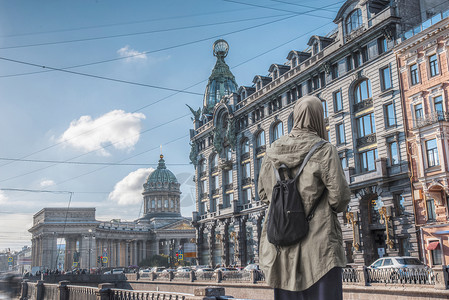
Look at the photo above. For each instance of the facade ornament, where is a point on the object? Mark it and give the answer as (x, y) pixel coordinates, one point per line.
(327, 67)
(218, 139)
(385, 214)
(352, 218)
(230, 133)
(193, 156)
(388, 33)
(196, 113)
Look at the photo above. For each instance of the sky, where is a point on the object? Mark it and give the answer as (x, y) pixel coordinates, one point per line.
(90, 91)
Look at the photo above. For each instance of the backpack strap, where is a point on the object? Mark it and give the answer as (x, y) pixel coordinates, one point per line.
(279, 175)
(306, 159)
(304, 162)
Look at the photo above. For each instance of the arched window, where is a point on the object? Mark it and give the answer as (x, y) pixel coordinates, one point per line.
(228, 153)
(354, 20)
(214, 161)
(202, 167)
(245, 146)
(278, 131)
(294, 62)
(243, 95)
(275, 73)
(362, 91)
(260, 140)
(290, 123)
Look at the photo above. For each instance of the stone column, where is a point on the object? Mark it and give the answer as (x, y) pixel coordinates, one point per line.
(144, 249)
(135, 258)
(126, 261)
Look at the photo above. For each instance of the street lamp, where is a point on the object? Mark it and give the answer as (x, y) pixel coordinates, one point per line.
(91, 237)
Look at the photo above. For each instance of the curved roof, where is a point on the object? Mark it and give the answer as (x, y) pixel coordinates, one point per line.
(161, 175)
(221, 81)
(342, 10)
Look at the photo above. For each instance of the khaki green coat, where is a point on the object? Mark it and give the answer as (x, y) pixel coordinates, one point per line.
(297, 267)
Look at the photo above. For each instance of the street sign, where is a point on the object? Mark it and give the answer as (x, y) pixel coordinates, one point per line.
(10, 259)
(181, 257)
(75, 264)
(105, 259)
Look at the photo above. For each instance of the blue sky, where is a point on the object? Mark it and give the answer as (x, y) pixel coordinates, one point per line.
(51, 115)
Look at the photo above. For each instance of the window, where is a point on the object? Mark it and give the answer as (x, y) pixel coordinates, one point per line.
(228, 177)
(294, 62)
(214, 161)
(349, 65)
(324, 104)
(357, 57)
(228, 153)
(432, 153)
(300, 90)
(245, 146)
(202, 167)
(246, 196)
(363, 91)
(172, 203)
(340, 130)
(203, 208)
(246, 170)
(414, 76)
(436, 256)
(365, 125)
(430, 207)
(290, 123)
(334, 71)
(433, 65)
(316, 82)
(338, 102)
(309, 86)
(278, 131)
(399, 204)
(153, 203)
(214, 183)
(418, 111)
(381, 45)
(275, 73)
(354, 20)
(349, 252)
(385, 78)
(213, 205)
(394, 153)
(365, 53)
(228, 199)
(315, 48)
(390, 116)
(203, 188)
(368, 160)
(159, 203)
(323, 79)
(260, 140)
(344, 164)
(166, 203)
(438, 104)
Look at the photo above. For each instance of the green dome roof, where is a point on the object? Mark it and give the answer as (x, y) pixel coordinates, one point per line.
(160, 177)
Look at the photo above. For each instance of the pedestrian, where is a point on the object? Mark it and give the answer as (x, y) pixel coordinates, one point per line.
(310, 269)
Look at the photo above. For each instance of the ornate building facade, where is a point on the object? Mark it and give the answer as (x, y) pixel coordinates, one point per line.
(424, 69)
(354, 71)
(162, 230)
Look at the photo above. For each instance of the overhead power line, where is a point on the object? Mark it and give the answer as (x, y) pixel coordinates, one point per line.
(305, 6)
(138, 33)
(88, 163)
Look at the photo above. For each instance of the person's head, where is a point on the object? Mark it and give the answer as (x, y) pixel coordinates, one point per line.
(308, 115)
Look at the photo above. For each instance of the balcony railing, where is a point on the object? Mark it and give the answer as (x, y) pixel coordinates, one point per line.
(228, 186)
(226, 165)
(215, 191)
(432, 118)
(245, 156)
(214, 169)
(246, 181)
(362, 105)
(366, 140)
(260, 149)
(204, 173)
(204, 195)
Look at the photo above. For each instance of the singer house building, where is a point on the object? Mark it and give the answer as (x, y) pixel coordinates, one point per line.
(353, 70)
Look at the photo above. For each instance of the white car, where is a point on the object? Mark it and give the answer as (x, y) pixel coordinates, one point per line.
(145, 272)
(398, 262)
(183, 270)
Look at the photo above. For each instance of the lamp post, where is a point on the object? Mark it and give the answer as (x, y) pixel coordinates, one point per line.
(91, 237)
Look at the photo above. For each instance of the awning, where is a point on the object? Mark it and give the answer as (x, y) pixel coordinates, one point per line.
(432, 245)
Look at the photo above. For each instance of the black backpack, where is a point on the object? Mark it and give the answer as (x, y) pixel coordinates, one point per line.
(287, 222)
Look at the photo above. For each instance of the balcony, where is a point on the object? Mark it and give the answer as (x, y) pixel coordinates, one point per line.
(366, 140)
(246, 181)
(214, 169)
(260, 149)
(215, 192)
(204, 173)
(362, 105)
(432, 118)
(228, 186)
(226, 165)
(362, 179)
(244, 156)
(204, 195)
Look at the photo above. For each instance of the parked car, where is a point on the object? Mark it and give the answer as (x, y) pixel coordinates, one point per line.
(157, 269)
(398, 262)
(183, 270)
(145, 272)
(168, 270)
(205, 269)
(251, 267)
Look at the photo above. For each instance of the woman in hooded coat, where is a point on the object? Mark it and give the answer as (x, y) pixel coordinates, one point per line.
(310, 269)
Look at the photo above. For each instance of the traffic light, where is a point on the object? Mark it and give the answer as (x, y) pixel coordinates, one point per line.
(98, 259)
(101, 260)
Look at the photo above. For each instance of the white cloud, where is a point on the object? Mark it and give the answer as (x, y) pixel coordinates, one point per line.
(3, 198)
(128, 191)
(117, 127)
(47, 182)
(131, 54)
